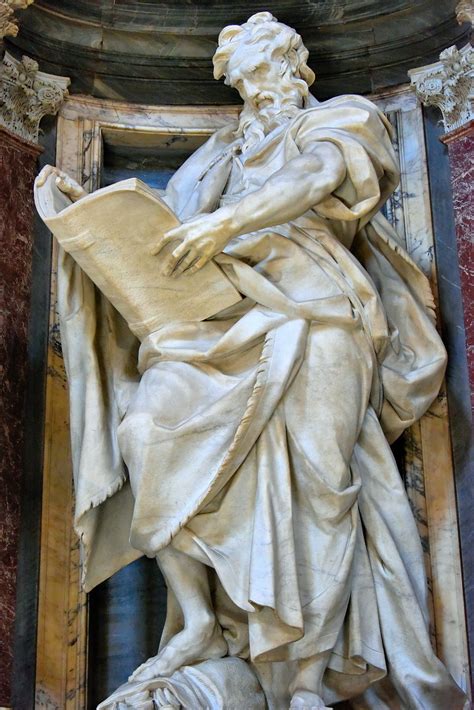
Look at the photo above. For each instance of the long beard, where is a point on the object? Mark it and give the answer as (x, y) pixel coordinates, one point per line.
(255, 123)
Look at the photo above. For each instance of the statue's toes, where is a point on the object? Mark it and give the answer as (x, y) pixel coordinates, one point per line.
(167, 661)
(142, 700)
(305, 700)
(141, 673)
(164, 698)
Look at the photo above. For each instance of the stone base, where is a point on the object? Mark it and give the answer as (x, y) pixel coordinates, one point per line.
(222, 684)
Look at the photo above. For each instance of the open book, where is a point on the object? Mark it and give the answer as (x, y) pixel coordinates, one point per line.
(110, 233)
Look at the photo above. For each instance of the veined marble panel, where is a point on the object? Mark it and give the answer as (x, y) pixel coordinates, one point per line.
(17, 170)
(461, 151)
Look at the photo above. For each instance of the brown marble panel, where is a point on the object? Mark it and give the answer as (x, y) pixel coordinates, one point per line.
(17, 171)
(461, 157)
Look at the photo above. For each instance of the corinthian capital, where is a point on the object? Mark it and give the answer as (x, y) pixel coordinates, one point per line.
(465, 11)
(448, 84)
(26, 95)
(8, 23)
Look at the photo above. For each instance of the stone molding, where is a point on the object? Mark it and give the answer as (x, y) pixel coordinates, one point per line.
(448, 84)
(26, 95)
(14, 141)
(466, 130)
(8, 23)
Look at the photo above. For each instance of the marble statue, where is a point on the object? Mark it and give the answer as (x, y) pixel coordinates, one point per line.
(249, 453)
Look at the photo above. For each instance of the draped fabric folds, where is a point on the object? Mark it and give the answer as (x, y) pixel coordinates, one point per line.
(256, 441)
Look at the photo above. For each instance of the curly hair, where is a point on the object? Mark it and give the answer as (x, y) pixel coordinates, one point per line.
(283, 42)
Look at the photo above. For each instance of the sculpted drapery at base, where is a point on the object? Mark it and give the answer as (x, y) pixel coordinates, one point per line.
(249, 453)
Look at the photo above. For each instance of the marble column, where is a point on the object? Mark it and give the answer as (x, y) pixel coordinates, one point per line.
(17, 171)
(26, 95)
(460, 144)
(448, 85)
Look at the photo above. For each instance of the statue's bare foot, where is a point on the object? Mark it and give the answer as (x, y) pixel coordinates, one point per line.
(189, 646)
(304, 700)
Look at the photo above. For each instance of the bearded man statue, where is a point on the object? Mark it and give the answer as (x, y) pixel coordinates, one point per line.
(250, 453)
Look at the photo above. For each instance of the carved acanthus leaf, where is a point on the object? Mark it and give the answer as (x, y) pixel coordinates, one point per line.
(448, 84)
(8, 23)
(465, 11)
(26, 95)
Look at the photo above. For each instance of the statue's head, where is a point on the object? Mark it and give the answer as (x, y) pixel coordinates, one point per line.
(265, 61)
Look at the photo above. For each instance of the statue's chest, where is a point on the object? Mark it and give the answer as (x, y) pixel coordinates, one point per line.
(249, 171)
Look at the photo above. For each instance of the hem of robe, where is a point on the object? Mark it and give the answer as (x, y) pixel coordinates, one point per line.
(368, 657)
(109, 553)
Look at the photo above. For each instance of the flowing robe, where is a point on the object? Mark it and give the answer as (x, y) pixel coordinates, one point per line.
(257, 441)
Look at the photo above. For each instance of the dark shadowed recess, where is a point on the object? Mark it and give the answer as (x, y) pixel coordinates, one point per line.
(159, 51)
(151, 157)
(126, 618)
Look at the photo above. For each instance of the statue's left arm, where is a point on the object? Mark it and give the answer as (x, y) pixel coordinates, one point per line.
(302, 183)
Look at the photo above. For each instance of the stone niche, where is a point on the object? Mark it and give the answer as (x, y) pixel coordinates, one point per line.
(98, 143)
(150, 55)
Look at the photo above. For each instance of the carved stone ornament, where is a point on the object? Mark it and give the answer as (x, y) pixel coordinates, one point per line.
(448, 84)
(465, 11)
(26, 95)
(8, 23)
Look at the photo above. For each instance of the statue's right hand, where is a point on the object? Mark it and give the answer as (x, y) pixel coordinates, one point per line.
(64, 183)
